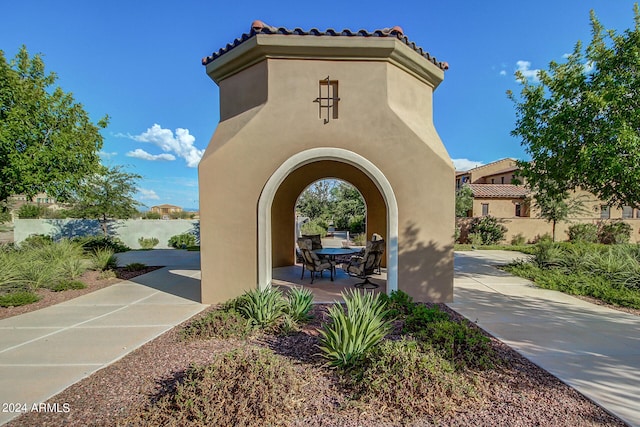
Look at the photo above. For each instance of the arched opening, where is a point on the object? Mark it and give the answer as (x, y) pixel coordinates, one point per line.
(276, 206)
(333, 208)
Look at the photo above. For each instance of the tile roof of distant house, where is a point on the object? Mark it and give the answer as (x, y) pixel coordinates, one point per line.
(259, 27)
(499, 191)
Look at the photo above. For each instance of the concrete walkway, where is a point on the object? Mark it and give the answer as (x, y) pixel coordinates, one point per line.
(594, 349)
(46, 351)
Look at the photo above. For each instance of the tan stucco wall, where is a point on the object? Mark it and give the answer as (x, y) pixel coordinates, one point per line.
(385, 117)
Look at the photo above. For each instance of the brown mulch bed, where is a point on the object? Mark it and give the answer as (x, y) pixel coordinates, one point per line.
(517, 393)
(89, 278)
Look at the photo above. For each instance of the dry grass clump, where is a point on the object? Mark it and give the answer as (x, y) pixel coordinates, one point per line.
(406, 380)
(216, 324)
(244, 387)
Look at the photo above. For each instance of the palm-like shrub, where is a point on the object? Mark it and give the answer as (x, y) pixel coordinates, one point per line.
(349, 336)
(104, 259)
(299, 301)
(261, 307)
(149, 243)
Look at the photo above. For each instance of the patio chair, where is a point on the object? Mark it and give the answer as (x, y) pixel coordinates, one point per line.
(316, 240)
(313, 262)
(366, 265)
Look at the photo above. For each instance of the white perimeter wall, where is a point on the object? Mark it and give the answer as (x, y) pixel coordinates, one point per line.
(129, 231)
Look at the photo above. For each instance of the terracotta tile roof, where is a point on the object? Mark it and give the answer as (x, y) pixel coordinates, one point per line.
(499, 191)
(259, 27)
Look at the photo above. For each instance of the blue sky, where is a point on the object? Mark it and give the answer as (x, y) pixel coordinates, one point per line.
(139, 62)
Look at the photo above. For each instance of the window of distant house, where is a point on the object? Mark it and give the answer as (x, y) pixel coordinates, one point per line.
(604, 212)
(518, 209)
(627, 212)
(502, 180)
(485, 209)
(493, 181)
(458, 183)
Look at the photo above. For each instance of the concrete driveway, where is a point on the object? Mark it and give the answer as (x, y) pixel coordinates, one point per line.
(592, 348)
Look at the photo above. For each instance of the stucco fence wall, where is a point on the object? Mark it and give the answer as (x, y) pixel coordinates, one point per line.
(531, 228)
(129, 231)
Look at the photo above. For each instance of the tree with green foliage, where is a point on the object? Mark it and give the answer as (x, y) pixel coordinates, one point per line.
(348, 207)
(580, 122)
(108, 195)
(315, 200)
(48, 143)
(555, 208)
(464, 201)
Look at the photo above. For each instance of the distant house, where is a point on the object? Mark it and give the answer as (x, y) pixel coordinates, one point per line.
(495, 194)
(166, 209)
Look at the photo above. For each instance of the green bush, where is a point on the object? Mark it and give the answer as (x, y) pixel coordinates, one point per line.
(612, 233)
(261, 307)
(357, 224)
(29, 211)
(149, 243)
(421, 316)
(518, 240)
(92, 243)
(5, 216)
(245, 387)
(460, 343)
(36, 240)
(151, 215)
(349, 336)
(66, 285)
(222, 324)
(16, 299)
(182, 241)
(299, 303)
(135, 266)
(411, 381)
(489, 229)
(359, 239)
(397, 304)
(315, 226)
(585, 233)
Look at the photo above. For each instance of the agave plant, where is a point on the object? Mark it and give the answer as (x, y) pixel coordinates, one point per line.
(300, 301)
(350, 335)
(262, 307)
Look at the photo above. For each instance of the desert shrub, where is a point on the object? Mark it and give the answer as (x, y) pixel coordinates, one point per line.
(261, 307)
(104, 259)
(475, 239)
(347, 337)
(5, 216)
(66, 285)
(107, 274)
(421, 316)
(74, 267)
(151, 215)
(135, 266)
(216, 324)
(547, 253)
(585, 233)
(411, 381)
(92, 243)
(10, 279)
(16, 299)
(299, 303)
(246, 387)
(489, 229)
(518, 240)
(397, 304)
(612, 233)
(315, 226)
(182, 241)
(149, 243)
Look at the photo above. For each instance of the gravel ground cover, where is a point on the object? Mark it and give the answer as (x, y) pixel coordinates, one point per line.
(516, 393)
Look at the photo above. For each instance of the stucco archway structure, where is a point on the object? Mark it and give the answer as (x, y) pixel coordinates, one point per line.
(299, 106)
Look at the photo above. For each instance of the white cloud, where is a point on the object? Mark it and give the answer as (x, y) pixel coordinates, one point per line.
(181, 144)
(503, 72)
(465, 164)
(106, 155)
(525, 68)
(147, 194)
(141, 154)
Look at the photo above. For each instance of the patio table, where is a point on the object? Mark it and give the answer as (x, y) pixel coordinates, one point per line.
(332, 253)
